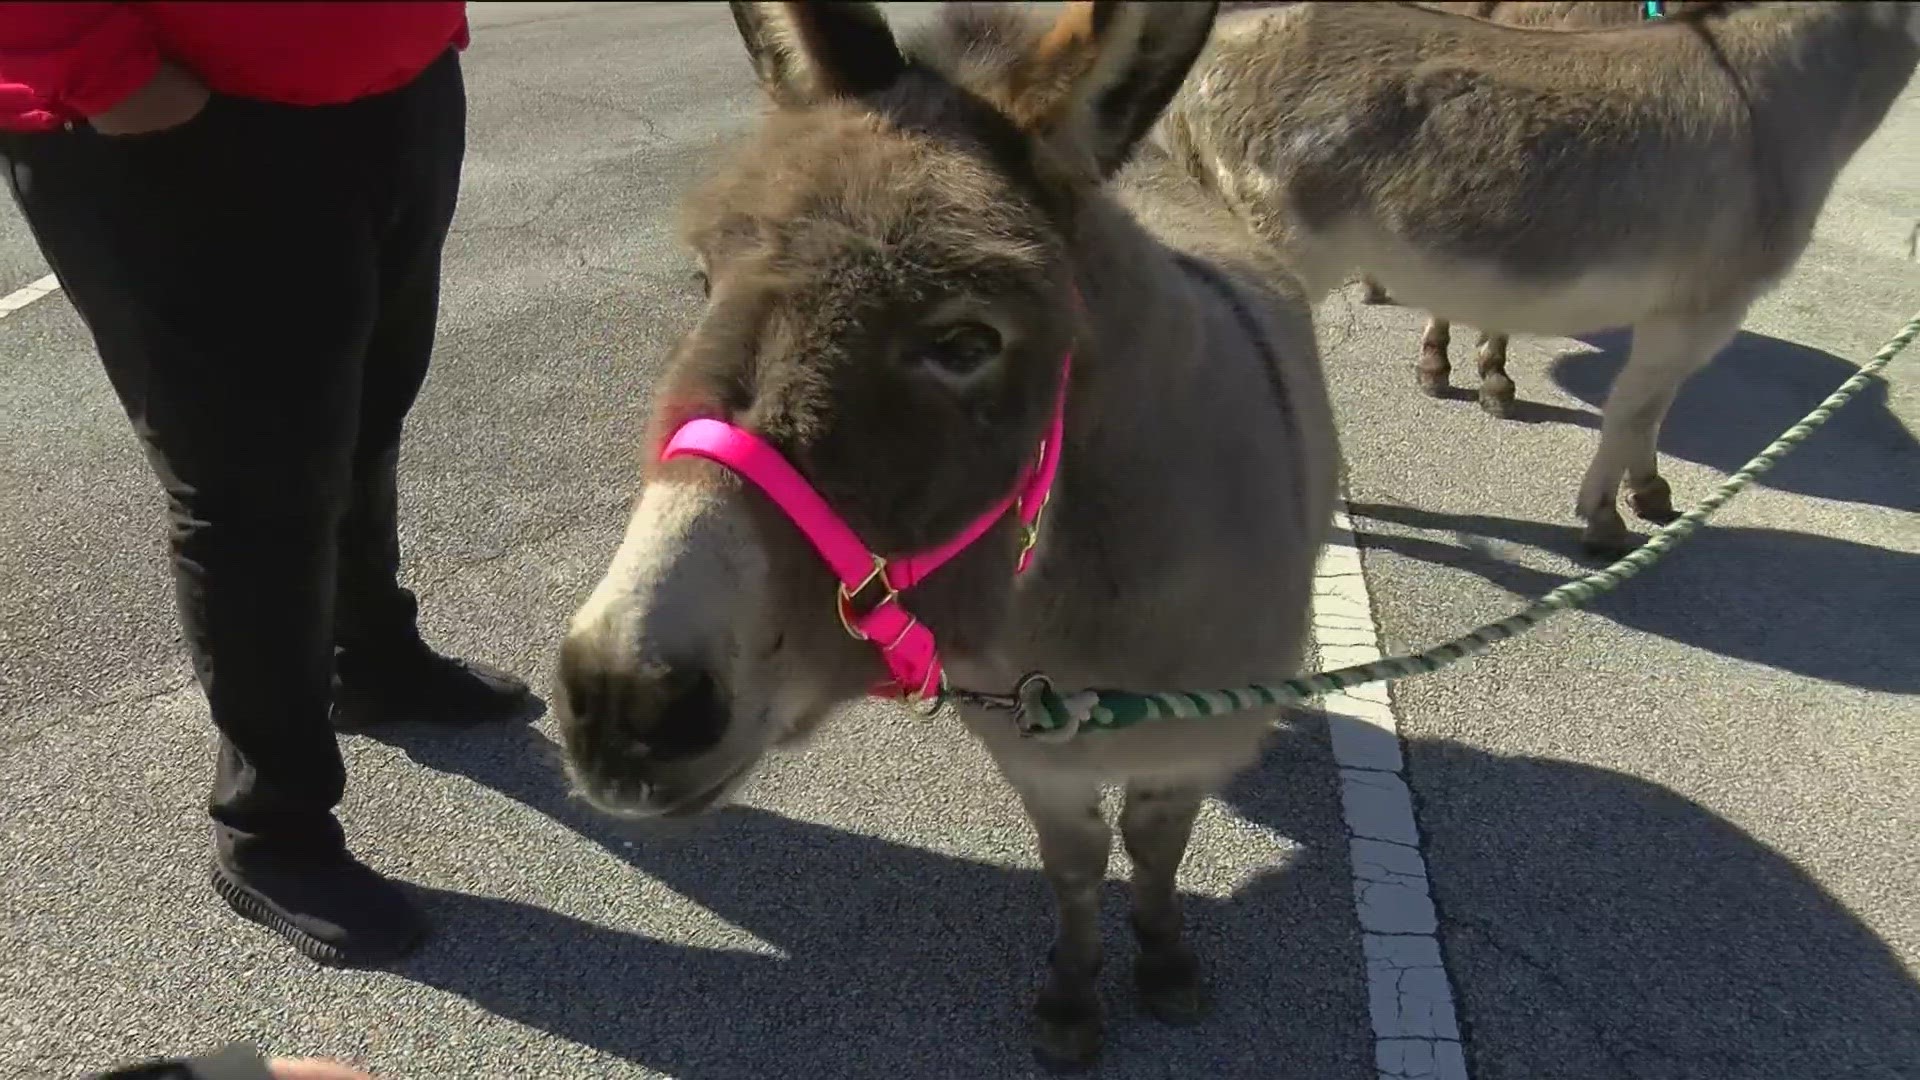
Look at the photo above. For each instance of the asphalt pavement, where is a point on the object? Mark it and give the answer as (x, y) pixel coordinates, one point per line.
(1677, 835)
(1673, 837)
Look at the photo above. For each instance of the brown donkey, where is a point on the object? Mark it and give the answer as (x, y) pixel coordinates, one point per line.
(1660, 176)
(1435, 368)
(900, 266)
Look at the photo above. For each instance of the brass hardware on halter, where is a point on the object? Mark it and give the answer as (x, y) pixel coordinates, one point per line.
(927, 701)
(844, 601)
(1030, 531)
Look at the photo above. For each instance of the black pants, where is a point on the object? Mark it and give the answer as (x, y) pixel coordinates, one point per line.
(262, 285)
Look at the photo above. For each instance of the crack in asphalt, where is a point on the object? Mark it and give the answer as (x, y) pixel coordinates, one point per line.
(87, 709)
(1614, 1044)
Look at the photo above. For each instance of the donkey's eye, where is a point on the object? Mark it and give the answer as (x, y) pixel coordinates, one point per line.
(962, 349)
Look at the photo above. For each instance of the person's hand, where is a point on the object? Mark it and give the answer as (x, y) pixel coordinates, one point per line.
(171, 98)
(312, 1069)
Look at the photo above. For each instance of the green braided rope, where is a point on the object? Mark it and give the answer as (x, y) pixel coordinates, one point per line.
(1041, 711)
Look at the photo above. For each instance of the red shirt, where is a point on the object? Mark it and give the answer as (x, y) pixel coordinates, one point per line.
(66, 61)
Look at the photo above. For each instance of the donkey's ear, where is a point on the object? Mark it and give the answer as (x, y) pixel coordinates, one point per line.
(804, 51)
(1109, 68)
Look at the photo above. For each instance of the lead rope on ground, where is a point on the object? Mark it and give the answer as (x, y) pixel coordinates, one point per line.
(1044, 713)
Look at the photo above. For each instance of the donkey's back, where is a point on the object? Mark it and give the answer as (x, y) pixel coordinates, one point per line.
(1478, 164)
(1661, 176)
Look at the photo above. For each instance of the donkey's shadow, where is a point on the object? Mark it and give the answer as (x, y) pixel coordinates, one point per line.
(1826, 608)
(1623, 930)
(1598, 925)
(892, 960)
(1753, 390)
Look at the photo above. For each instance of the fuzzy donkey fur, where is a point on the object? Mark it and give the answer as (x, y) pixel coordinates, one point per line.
(898, 262)
(1660, 176)
(1435, 368)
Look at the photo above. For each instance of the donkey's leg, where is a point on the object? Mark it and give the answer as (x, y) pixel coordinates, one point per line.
(1647, 491)
(1372, 292)
(1074, 845)
(1665, 353)
(1434, 369)
(1155, 826)
(1496, 390)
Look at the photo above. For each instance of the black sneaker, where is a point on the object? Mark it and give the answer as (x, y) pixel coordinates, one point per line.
(334, 909)
(432, 689)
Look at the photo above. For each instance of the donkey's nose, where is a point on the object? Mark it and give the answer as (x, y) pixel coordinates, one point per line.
(654, 712)
(691, 718)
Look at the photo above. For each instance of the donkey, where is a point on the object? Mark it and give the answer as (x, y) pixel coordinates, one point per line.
(1435, 368)
(944, 293)
(1660, 176)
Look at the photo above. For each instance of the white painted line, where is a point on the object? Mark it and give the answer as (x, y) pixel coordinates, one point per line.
(27, 294)
(1416, 1035)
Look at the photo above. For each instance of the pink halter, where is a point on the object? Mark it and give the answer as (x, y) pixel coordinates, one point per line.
(906, 646)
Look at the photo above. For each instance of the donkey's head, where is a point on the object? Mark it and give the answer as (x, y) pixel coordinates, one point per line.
(890, 302)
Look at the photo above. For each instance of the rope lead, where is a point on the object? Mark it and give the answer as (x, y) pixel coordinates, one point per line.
(1043, 712)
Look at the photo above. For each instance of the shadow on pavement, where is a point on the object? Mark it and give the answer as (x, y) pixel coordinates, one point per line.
(895, 961)
(1824, 608)
(1594, 925)
(1752, 391)
(1597, 925)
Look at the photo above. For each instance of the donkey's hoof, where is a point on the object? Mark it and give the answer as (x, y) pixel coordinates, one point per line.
(1653, 501)
(1499, 406)
(1374, 295)
(1171, 989)
(1066, 1036)
(1607, 544)
(1434, 384)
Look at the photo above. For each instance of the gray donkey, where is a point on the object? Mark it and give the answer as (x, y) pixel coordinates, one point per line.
(1496, 390)
(1660, 176)
(901, 264)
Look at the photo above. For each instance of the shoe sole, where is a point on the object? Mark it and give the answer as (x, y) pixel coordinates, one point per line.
(249, 906)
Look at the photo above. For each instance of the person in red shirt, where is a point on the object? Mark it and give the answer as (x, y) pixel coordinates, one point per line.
(246, 204)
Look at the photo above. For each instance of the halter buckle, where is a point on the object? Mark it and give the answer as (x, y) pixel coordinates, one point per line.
(843, 605)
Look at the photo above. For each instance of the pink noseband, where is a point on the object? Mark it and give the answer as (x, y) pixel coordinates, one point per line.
(905, 644)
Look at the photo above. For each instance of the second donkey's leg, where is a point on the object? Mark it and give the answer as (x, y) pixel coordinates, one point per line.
(1496, 389)
(1074, 845)
(1434, 369)
(1664, 354)
(1155, 826)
